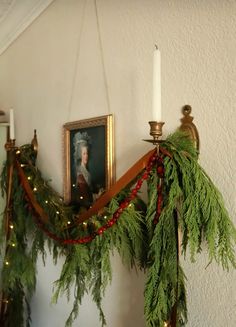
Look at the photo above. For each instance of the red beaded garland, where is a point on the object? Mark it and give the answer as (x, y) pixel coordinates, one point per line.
(160, 172)
(145, 175)
(117, 213)
(110, 223)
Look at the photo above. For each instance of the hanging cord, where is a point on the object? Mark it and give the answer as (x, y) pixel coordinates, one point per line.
(102, 57)
(78, 55)
(76, 60)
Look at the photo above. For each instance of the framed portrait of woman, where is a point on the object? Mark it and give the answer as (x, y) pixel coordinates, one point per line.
(88, 160)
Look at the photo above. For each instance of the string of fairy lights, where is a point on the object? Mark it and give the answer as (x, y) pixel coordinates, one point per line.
(55, 202)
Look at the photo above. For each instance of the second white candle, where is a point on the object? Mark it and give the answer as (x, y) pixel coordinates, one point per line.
(12, 126)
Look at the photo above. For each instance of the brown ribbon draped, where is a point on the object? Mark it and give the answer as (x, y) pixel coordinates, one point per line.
(30, 194)
(101, 202)
(117, 187)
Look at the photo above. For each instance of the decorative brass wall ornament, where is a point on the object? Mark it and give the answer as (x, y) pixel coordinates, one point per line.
(34, 142)
(188, 125)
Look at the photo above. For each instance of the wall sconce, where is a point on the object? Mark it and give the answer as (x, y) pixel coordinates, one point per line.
(187, 125)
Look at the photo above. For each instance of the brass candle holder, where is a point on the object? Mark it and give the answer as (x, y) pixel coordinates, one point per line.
(10, 145)
(156, 133)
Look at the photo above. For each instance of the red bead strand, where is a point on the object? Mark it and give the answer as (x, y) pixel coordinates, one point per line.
(123, 205)
(160, 172)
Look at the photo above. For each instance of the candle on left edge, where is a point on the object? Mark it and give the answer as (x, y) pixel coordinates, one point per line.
(12, 126)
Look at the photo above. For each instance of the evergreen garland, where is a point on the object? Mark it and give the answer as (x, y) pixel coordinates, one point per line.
(144, 236)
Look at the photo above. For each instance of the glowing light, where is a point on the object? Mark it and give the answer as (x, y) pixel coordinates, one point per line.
(46, 201)
(57, 212)
(105, 217)
(7, 263)
(81, 197)
(73, 185)
(29, 178)
(13, 245)
(68, 222)
(35, 189)
(11, 226)
(18, 152)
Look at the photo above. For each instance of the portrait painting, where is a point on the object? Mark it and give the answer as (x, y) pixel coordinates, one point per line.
(89, 160)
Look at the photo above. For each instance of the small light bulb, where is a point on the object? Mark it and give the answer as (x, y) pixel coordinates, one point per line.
(11, 226)
(7, 263)
(22, 165)
(105, 217)
(46, 201)
(57, 212)
(13, 245)
(18, 152)
(68, 222)
(29, 178)
(73, 185)
(81, 197)
(35, 189)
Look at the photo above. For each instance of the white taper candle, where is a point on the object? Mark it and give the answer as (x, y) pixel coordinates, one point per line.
(12, 126)
(156, 94)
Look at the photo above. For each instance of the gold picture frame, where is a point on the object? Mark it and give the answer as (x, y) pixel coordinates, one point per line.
(89, 168)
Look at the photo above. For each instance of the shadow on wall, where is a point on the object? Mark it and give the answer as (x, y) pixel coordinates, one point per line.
(123, 302)
(124, 299)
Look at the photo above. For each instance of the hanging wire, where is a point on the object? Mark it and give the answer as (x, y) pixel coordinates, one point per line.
(78, 55)
(102, 57)
(76, 59)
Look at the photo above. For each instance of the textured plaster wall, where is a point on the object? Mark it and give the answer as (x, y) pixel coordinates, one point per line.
(197, 41)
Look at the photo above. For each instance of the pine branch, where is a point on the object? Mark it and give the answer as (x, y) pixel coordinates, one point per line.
(187, 191)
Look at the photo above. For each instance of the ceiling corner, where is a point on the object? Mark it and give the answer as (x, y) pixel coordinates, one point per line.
(16, 16)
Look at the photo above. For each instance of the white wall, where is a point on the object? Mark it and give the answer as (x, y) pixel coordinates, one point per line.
(197, 40)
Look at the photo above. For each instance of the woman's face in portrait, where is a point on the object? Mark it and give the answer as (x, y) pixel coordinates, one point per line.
(84, 155)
